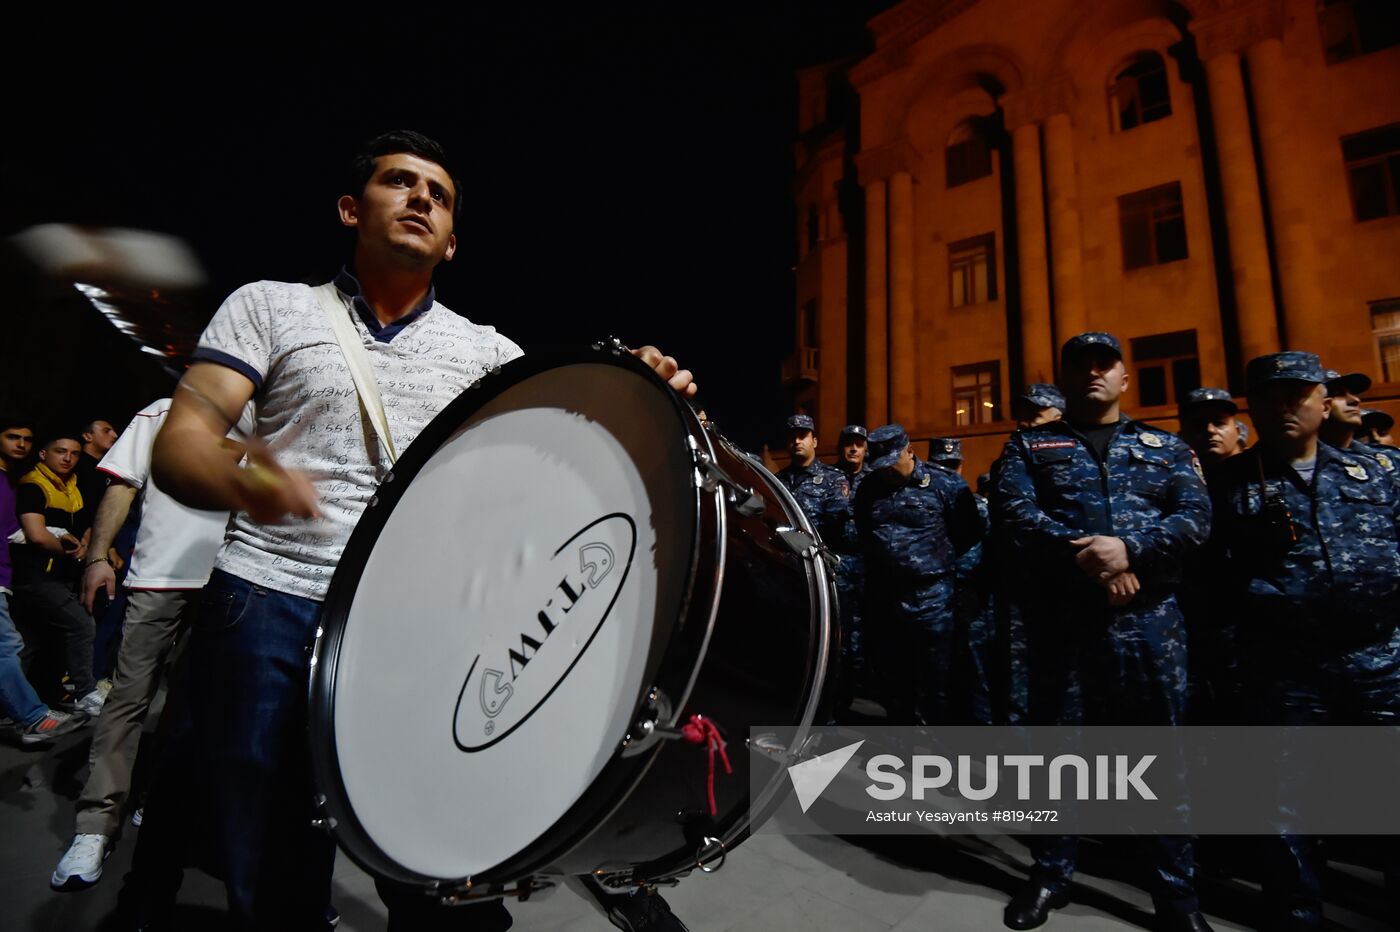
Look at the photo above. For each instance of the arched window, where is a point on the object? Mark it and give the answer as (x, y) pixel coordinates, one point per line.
(969, 156)
(1139, 92)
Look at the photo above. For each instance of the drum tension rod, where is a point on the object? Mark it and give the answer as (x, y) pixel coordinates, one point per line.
(747, 502)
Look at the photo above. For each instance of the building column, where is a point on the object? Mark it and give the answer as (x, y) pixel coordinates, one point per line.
(1066, 250)
(1244, 214)
(1037, 339)
(876, 322)
(1286, 184)
(903, 337)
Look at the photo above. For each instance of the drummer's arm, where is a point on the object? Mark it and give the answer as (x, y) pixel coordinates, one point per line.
(666, 366)
(195, 464)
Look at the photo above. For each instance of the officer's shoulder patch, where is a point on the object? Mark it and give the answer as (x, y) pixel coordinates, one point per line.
(1151, 440)
(817, 479)
(1196, 465)
(1355, 470)
(1386, 462)
(923, 483)
(1036, 445)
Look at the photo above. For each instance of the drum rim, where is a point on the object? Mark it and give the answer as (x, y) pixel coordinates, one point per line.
(620, 774)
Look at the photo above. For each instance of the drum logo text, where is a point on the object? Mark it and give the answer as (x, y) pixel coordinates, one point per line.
(534, 662)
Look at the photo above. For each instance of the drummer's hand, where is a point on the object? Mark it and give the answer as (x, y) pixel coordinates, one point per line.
(269, 492)
(666, 366)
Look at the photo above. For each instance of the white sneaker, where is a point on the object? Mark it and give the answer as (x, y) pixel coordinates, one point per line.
(82, 865)
(92, 703)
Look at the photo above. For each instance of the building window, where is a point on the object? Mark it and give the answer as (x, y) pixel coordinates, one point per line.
(972, 269)
(811, 331)
(1385, 323)
(1373, 171)
(1153, 226)
(1139, 93)
(1357, 27)
(969, 156)
(977, 393)
(1166, 367)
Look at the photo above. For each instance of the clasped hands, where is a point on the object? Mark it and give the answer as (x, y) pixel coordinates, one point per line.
(1105, 560)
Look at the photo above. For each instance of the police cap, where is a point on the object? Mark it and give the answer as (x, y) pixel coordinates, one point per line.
(1377, 420)
(854, 430)
(1085, 341)
(885, 445)
(1206, 398)
(1352, 383)
(1290, 365)
(801, 422)
(1043, 395)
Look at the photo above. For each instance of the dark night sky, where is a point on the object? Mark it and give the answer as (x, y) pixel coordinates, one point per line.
(627, 171)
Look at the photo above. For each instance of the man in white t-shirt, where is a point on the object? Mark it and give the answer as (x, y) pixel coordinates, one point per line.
(309, 475)
(173, 556)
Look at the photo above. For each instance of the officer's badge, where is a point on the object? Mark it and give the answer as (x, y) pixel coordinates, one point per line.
(923, 483)
(817, 480)
(1150, 440)
(1386, 463)
(1356, 471)
(1196, 465)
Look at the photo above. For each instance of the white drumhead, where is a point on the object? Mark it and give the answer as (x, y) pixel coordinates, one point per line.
(467, 722)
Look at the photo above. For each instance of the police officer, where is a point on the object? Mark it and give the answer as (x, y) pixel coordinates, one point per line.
(1039, 404)
(976, 635)
(850, 572)
(821, 490)
(913, 520)
(1378, 426)
(1107, 507)
(1309, 543)
(1342, 428)
(1209, 426)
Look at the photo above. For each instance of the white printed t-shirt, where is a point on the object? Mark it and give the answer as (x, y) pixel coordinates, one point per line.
(277, 335)
(176, 545)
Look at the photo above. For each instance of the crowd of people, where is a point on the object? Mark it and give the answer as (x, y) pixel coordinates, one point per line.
(1108, 572)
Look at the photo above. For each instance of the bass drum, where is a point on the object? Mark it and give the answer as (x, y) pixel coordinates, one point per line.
(561, 570)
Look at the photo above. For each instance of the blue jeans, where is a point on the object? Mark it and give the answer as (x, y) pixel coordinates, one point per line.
(17, 698)
(235, 794)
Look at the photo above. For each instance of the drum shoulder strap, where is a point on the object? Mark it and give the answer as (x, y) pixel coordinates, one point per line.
(357, 360)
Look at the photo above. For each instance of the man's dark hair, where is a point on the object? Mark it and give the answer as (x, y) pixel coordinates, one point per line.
(10, 420)
(91, 426)
(60, 433)
(402, 140)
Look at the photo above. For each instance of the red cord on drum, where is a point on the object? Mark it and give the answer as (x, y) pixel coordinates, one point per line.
(700, 730)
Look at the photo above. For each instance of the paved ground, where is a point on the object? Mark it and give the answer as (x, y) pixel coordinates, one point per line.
(771, 883)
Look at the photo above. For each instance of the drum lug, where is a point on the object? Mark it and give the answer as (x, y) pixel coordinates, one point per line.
(709, 476)
(804, 544)
(648, 731)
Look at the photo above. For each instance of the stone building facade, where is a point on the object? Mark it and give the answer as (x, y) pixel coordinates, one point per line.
(1207, 179)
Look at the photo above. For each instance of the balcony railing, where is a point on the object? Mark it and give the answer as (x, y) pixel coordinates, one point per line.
(803, 365)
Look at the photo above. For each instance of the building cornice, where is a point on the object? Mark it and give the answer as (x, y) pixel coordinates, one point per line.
(881, 162)
(1034, 104)
(1237, 27)
(898, 28)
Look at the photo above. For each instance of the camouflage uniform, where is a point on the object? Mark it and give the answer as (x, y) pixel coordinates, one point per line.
(912, 535)
(1091, 663)
(822, 492)
(1314, 571)
(850, 589)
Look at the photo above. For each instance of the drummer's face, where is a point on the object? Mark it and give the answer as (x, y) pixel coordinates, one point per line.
(405, 210)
